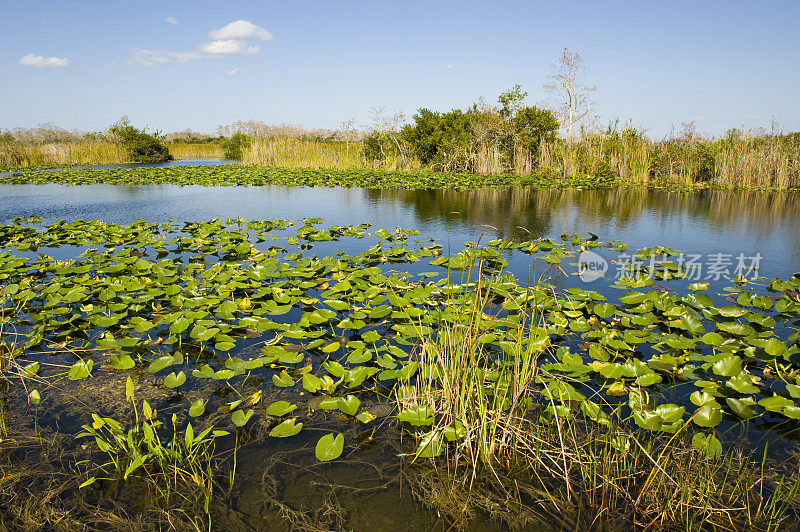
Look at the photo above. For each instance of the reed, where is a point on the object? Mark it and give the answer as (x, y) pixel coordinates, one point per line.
(68, 153)
(287, 152)
(512, 419)
(195, 150)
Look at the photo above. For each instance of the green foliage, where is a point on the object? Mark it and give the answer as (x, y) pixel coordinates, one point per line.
(441, 140)
(532, 126)
(234, 146)
(142, 147)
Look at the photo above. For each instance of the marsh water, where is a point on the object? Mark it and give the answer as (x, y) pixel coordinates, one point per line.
(368, 492)
(705, 223)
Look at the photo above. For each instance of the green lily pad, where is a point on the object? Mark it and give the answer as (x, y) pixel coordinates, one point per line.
(329, 447)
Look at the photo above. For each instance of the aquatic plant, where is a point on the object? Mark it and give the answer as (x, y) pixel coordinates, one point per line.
(240, 324)
(166, 466)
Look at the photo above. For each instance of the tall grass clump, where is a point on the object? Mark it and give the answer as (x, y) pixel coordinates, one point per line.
(180, 465)
(287, 152)
(511, 436)
(195, 150)
(16, 154)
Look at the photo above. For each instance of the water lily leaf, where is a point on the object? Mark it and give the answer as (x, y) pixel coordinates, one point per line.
(776, 403)
(198, 408)
(122, 362)
(173, 381)
(224, 374)
(334, 368)
(708, 445)
(712, 338)
(708, 415)
(81, 370)
(792, 412)
(692, 324)
(160, 363)
(431, 445)
(282, 380)
(776, 348)
(366, 417)
(240, 417)
(739, 408)
(349, 404)
(287, 428)
(203, 372)
(329, 447)
(743, 383)
(417, 415)
(34, 397)
(702, 397)
(311, 382)
(280, 408)
(696, 287)
(604, 310)
(793, 390)
(728, 367)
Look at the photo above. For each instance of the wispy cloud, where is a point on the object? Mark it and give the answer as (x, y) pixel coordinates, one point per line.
(230, 40)
(228, 47)
(37, 61)
(231, 72)
(450, 66)
(144, 57)
(119, 78)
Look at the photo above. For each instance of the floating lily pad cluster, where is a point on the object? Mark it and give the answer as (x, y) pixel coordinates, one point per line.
(228, 301)
(230, 175)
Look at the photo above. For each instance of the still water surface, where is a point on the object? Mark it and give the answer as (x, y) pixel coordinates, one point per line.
(702, 223)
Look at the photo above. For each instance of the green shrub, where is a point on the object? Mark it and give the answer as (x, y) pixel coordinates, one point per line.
(142, 147)
(233, 147)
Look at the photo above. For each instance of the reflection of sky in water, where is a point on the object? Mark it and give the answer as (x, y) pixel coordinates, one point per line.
(697, 223)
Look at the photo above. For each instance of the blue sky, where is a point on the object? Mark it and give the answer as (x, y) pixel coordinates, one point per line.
(173, 65)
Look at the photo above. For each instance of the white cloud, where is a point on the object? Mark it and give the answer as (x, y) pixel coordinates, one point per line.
(232, 39)
(240, 30)
(228, 47)
(119, 78)
(449, 66)
(37, 61)
(231, 72)
(184, 57)
(146, 57)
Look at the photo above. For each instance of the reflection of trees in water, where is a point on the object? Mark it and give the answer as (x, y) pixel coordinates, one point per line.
(539, 211)
(505, 209)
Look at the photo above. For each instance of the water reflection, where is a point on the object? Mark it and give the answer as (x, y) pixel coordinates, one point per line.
(700, 222)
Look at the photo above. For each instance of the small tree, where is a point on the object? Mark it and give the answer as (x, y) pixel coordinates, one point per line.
(573, 98)
(233, 147)
(142, 147)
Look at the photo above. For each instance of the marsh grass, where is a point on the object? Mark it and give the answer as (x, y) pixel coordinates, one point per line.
(14, 155)
(286, 152)
(522, 454)
(195, 150)
(738, 160)
(39, 491)
(166, 467)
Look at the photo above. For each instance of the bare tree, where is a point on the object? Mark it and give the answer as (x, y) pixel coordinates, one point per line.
(573, 97)
(386, 127)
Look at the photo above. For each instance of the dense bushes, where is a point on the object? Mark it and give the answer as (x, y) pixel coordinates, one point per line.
(233, 147)
(141, 147)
